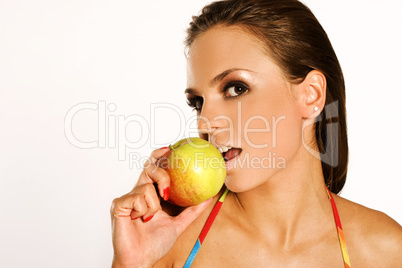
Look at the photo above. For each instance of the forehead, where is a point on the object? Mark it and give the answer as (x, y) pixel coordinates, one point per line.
(222, 48)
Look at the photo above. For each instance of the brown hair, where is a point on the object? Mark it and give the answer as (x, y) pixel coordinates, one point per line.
(293, 38)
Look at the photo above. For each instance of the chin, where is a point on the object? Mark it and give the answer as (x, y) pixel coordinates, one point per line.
(239, 183)
(239, 187)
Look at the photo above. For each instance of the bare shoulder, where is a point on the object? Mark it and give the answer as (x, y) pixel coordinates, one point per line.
(372, 237)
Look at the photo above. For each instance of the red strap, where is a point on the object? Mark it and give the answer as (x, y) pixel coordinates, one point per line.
(335, 210)
(210, 220)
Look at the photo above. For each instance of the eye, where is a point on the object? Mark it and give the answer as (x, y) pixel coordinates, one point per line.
(235, 89)
(195, 103)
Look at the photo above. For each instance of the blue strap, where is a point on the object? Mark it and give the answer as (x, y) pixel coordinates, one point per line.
(193, 253)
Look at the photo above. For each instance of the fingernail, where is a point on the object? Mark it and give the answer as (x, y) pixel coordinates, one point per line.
(148, 219)
(166, 193)
(164, 147)
(135, 218)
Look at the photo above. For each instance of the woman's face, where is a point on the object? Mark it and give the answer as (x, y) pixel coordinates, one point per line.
(244, 97)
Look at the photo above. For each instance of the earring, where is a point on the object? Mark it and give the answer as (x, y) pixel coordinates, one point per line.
(316, 108)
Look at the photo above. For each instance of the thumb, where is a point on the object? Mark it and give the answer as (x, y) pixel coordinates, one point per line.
(187, 216)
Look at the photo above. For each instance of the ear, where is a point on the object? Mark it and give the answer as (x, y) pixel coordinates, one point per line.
(311, 93)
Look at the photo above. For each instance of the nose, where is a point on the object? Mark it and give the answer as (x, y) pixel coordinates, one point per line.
(208, 129)
(210, 121)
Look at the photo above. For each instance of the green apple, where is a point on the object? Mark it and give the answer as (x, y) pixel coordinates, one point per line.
(197, 171)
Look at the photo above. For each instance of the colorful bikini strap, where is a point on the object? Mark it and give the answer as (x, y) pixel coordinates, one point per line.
(218, 206)
(205, 230)
(341, 237)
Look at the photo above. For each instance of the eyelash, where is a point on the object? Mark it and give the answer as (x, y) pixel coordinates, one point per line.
(192, 102)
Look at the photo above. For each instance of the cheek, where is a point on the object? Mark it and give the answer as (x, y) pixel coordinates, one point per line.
(274, 129)
(284, 120)
(280, 130)
(286, 138)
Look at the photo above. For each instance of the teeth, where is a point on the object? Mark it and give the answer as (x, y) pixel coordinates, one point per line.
(224, 149)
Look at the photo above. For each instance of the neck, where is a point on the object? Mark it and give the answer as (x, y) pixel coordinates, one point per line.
(290, 205)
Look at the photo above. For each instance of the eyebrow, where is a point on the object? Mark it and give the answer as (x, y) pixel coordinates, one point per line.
(217, 78)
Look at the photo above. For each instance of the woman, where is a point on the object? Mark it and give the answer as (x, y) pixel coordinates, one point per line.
(266, 70)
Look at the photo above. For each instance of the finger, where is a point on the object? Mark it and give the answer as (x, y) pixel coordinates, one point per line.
(162, 179)
(122, 206)
(133, 201)
(156, 154)
(139, 209)
(189, 215)
(151, 163)
(153, 203)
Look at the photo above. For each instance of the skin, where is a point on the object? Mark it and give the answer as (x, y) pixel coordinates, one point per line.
(278, 216)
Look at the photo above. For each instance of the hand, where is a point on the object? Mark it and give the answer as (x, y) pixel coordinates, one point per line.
(142, 232)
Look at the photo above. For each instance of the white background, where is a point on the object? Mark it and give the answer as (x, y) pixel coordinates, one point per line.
(55, 197)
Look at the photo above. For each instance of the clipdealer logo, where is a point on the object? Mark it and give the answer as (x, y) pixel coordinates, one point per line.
(112, 127)
(112, 131)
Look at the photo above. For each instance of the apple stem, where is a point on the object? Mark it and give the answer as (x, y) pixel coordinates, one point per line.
(171, 147)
